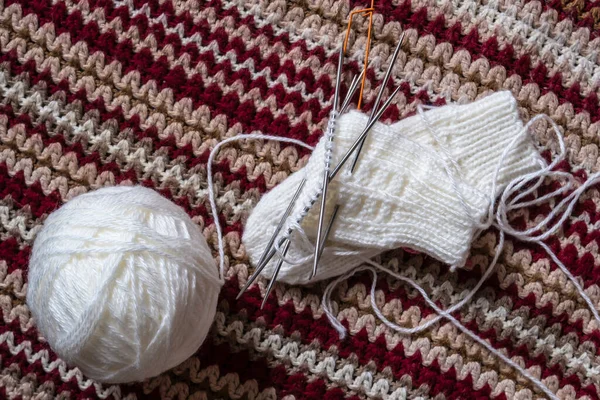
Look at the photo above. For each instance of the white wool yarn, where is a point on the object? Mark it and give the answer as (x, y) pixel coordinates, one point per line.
(122, 284)
(403, 193)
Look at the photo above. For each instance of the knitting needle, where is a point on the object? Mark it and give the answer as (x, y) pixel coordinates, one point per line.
(336, 97)
(386, 77)
(280, 262)
(286, 214)
(344, 159)
(259, 269)
(328, 229)
(269, 251)
(352, 91)
(363, 135)
(367, 12)
(375, 115)
(284, 251)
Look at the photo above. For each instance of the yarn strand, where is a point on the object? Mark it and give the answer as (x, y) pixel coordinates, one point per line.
(211, 190)
(499, 220)
(445, 314)
(501, 215)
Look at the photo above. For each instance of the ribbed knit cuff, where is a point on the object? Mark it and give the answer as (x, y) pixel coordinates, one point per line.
(401, 195)
(476, 135)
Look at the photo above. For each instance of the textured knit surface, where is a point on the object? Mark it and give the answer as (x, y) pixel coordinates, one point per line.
(98, 93)
(423, 183)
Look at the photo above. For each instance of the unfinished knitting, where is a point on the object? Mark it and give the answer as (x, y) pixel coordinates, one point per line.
(422, 183)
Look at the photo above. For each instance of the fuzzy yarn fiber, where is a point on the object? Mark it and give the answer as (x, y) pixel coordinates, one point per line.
(96, 93)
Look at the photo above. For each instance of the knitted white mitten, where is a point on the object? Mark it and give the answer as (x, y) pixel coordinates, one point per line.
(422, 183)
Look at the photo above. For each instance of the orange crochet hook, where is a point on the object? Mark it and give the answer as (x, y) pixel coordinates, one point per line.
(366, 11)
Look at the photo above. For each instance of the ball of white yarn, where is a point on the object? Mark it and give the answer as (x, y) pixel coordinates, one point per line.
(122, 284)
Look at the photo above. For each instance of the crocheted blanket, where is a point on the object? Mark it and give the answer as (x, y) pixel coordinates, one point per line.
(96, 93)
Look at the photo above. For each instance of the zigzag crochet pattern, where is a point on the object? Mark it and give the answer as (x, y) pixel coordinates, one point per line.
(96, 93)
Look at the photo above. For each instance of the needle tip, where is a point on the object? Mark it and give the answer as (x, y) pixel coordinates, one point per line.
(262, 305)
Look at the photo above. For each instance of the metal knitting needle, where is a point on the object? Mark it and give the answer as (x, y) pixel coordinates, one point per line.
(328, 229)
(374, 117)
(345, 158)
(286, 214)
(351, 91)
(355, 145)
(284, 251)
(386, 77)
(259, 269)
(336, 96)
(280, 262)
(363, 135)
(269, 250)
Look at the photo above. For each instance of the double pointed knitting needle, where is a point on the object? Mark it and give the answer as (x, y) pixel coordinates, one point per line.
(284, 251)
(259, 269)
(345, 158)
(357, 145)
(386, 77)
(331, 131)
(351, 91)
(286, 214)
(269, 250)
(363, 135)
(343, 161)
(329, 225)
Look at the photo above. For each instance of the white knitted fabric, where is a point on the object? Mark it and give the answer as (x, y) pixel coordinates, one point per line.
(423, 183)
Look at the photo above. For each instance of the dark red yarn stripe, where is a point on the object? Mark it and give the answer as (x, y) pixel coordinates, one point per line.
(575, 16)
(310, 329)
(247, 365)
(491, 50)
(402, 13)
(418, 20)
(557, 5)
(133, 123)
(194, 87)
